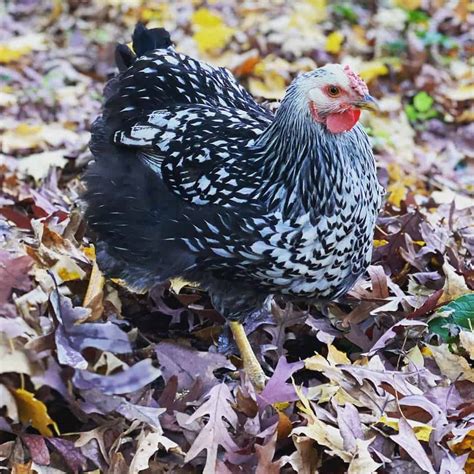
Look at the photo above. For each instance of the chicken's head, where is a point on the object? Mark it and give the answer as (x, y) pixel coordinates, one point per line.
(335, 95)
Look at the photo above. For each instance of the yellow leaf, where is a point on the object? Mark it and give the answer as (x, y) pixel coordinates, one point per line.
(67, 269)
(272, 86)
(159, 12)
(325, 435)
(397, 192)
(211, 32)
(421, 430)
(24, 129)
(408, 4)
(280, 406)
(362, 462)
(427, 352)
(454, 285)
(204, 17)
(212, 38)
(380, 243)
(454, 367)
(335, 356)
(34, 411)
(89, 252)
(8, 55)
(334, 42)
(177, 284)
(317, 363)
(372, 69)
(15, 48)
(462, 444)
(400, 182)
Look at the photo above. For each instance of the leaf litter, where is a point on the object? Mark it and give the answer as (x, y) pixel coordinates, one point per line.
(94, 377)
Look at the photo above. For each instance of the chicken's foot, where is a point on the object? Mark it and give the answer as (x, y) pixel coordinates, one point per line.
(252, 367)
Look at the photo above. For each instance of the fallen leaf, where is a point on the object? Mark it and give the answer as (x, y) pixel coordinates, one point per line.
(265, 455)
(467, 341)
(147, 445)
(217, 407)
(407, 440)
(362, 462)
(189, 364)
(33, 411)
(211, 33)
(95, 293)
(334, 42)
(454, 286)
(453, 366)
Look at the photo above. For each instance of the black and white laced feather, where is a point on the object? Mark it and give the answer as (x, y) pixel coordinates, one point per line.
(192, 177)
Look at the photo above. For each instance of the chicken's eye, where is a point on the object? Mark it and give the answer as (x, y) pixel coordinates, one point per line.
(334, 91)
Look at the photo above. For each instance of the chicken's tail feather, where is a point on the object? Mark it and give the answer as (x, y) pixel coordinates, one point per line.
(143, 41)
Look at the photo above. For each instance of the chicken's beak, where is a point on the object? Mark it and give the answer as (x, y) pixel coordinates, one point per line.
(368, 103)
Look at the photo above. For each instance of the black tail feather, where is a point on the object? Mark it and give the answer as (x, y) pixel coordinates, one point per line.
(144, 40)
(124, 57)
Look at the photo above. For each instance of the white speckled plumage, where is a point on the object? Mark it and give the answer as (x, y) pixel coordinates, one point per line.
(234, 197)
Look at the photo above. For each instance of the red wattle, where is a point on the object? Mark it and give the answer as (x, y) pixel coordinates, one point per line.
(342, 122)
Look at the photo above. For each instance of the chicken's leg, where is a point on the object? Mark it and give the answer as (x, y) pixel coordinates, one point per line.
(251, 365)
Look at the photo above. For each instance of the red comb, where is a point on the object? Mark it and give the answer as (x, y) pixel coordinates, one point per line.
(355, 81)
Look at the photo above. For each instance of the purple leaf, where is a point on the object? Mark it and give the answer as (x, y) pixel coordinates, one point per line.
(38, 450)
(349, 424)
(13, 274)
(68, 355)
(98, 402)
(76, 461)
(276, 389)
(189, 364)
(72, 337)
(407, 440)
(217, 406)
(391, 333)
(130, 380)
(453, 465)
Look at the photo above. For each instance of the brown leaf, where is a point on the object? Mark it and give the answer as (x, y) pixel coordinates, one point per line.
(13, 274)
(284, 426)
(246, 404)
(95, 294)
(265, 457)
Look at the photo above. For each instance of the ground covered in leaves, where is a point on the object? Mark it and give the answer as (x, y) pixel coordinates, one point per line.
(96, 378)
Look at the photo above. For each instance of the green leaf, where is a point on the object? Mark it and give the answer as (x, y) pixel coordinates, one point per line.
(461, 316)
(417, 16)
(346, 11)
(411, 112)
(423, 101)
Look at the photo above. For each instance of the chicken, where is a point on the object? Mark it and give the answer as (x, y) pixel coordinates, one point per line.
(193, 178)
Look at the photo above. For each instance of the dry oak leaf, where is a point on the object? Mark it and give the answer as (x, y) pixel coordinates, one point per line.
(148, 444)
(454, 285)
(214, 434)
(362, 462)
(451, 365)
(265, 455)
